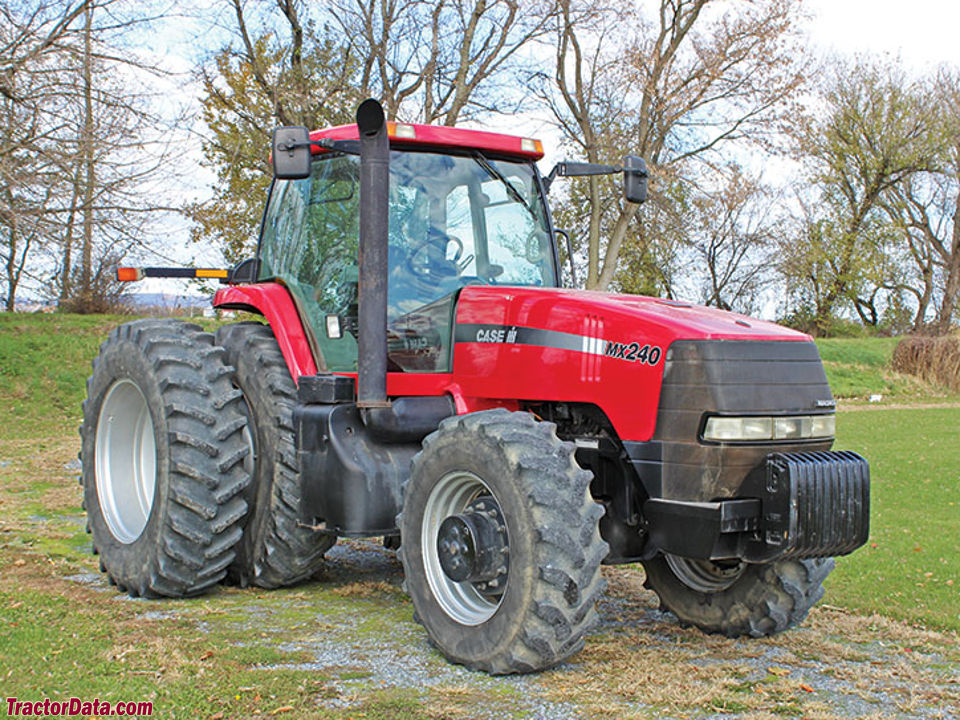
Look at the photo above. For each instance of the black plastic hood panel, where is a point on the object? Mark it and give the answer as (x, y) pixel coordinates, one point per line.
(729, 377)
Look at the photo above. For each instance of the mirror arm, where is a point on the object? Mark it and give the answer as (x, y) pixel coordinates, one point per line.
(548, 180)
(577, 169)
(347, 147)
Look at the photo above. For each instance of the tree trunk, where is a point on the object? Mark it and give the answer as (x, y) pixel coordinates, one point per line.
(11, 269)
(67, 271)
(87, 143)
(951, 289)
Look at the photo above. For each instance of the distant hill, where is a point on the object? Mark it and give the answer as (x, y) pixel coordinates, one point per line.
(166, 300)
(136, 301)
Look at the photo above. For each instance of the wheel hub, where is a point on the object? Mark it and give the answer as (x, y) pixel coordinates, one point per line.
(705, 576)
(464, 525)
(471, 545)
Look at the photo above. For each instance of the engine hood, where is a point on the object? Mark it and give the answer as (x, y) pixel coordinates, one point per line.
(548, 344)
(563, 309)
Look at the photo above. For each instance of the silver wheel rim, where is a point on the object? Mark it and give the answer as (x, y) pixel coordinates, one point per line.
(705, 576)
(460, 600)
(125, 461)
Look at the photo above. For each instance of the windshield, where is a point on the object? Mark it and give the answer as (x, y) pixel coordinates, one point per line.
(455, 220)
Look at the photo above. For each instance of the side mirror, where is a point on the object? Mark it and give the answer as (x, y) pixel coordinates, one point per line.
(634, 179)
(291, 153)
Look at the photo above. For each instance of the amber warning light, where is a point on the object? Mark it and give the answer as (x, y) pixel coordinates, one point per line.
(126, 274)
(129, 274)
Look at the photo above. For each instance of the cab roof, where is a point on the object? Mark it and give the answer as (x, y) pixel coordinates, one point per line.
(439, 136)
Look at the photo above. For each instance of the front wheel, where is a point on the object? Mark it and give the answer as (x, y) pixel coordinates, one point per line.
(734, 598)
(501, 548)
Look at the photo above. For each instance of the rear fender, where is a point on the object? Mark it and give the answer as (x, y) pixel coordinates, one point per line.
(273, 302)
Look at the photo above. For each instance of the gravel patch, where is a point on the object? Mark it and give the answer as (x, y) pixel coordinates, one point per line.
(406, 659)
(92, 580)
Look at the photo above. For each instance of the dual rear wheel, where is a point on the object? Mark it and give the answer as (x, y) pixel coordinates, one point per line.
(189, 467)
(164, 459)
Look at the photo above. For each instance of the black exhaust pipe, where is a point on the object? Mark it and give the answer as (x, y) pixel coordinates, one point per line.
(374, 219)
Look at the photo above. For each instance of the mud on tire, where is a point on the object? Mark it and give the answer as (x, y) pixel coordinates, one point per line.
(760, 600)
(275, 550)
(554, 544)
(163, 459)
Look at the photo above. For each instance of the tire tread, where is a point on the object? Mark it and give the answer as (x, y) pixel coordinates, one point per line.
(199, 522)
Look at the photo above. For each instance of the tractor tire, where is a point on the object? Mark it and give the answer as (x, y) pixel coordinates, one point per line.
(163, 454)
(745, 599)
(513, 469)
(275, 550)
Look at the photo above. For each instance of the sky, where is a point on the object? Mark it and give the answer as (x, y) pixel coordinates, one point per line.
(923, 32)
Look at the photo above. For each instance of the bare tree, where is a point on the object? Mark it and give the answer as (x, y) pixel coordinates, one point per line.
(29, 32)
(926, 208)
(440, 61)
(290, 72)
(871, 134)
(674, 89)
(31, 96)
(83, 155)
(732, 235)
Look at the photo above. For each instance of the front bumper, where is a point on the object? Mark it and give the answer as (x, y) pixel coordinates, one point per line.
(792, 505)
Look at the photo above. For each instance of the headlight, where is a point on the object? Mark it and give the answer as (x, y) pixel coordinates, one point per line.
(747, 429)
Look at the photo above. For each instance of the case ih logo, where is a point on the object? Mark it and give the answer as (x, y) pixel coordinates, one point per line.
(497, 335)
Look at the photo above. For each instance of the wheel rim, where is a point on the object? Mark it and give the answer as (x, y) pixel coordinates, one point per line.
(705, 576)
(461, 601)
(249, 437)
(125, 461)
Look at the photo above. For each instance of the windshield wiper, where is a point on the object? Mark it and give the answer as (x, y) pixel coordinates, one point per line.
(511, 190)
(347, 147)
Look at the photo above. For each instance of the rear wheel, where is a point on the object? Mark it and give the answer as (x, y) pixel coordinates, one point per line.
(163, 459)
(735, 598)
(276, 550)
(501, 548)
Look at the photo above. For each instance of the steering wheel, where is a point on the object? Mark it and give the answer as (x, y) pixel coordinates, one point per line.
(428, 261)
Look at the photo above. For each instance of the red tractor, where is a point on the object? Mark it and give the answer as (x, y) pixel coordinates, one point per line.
(422, 376)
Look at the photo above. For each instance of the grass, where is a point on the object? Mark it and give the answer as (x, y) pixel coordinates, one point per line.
(250, 653)
(44, 364)
(910, 569)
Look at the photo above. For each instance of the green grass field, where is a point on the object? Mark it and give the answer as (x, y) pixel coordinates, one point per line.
(910, 569)
(240, 653)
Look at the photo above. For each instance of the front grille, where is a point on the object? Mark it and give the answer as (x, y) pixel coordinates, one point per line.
(731, 377)
(828, 510)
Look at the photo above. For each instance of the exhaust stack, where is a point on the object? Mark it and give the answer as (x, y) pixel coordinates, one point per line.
(374, 219)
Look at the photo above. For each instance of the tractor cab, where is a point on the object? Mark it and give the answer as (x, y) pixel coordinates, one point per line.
(457, 217)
